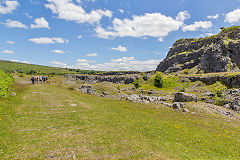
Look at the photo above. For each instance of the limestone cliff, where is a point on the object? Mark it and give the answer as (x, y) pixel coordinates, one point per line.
(218, 53)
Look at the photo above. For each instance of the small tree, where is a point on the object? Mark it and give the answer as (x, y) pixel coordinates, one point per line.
(158, 80)
(137, 83)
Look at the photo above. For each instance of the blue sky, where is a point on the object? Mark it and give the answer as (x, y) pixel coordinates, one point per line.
(106, 34)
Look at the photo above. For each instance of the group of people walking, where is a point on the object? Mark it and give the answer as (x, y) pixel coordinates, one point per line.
(39, 79)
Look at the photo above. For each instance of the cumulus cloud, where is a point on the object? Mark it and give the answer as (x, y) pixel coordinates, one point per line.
(197, 25)
(58, 51)
(48, 40)
(124, 63)
(14, 24)
(67, 10)
(8, 6)
(149, 24)
(182, 16)
(10, 42)
(92, 55)
(8, 51)
(120, 48)
(213, 16)
(79, 36)
(233, 16)
(58, 64)
(40, 23)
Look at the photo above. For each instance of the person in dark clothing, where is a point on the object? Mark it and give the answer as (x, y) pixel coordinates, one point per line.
(33, 79)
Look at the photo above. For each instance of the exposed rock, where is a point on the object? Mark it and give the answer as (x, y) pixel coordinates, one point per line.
(219, 53)
(185, 110)
(227, 106)
(96, 79)
(13, 94)
(185, 97)
(177, 105)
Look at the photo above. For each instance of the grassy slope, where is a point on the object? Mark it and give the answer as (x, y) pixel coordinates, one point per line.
(40, 123)
(8, 66)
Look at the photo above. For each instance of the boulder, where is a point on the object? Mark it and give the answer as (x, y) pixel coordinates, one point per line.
(185, 97)
(177, 105)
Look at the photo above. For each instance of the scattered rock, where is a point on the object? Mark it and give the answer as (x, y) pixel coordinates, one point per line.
(73, 105)
(177, 105)
(227, 106)
(185, 110)
(185, 97)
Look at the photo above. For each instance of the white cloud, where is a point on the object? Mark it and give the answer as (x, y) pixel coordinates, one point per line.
(25, 62)
(10, 42)
(149, 24)
(30, 17)
(121, 11)
(197, 25)
(48, 40)
(120, 48)
(40, 23)
(14, 24)
(213, 16)
(14, 60)
(58, 51)
(92, 55)
(56, 63)
(84, 61)
(8, 6)
(182, 16)
(8, 51)
(233, 16)
(79, 36)
(124, 63)
(67, 10)
(206, 35)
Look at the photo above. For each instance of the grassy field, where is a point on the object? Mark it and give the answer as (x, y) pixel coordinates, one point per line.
(47, 121)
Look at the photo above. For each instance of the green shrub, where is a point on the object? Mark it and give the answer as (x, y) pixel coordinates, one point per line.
(158, 80)
(137, 83)
(71, 88)
(6, 82)
(186, 71)
(218, 88)
(220, 101)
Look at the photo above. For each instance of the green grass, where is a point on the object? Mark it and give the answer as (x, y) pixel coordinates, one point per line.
(40, 123)
(10, 67)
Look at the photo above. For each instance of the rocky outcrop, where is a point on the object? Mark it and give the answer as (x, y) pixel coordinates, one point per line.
(230, 80)
(218, 53)
(98, 78)
(185, 97)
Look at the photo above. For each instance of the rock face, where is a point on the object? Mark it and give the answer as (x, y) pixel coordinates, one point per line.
(99, 78)
(228, 80)
(219, 53)
(185, 97)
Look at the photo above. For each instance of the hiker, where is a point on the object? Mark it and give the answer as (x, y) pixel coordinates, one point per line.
(33, 79)
(37, 79)
(41, 79)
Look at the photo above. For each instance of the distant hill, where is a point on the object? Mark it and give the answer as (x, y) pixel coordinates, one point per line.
(11, 67)
(218, 53)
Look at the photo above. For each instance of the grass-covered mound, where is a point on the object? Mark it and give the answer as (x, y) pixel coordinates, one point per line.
(6, 82)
